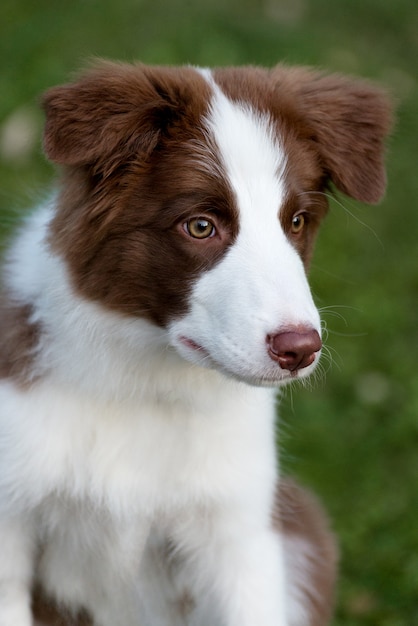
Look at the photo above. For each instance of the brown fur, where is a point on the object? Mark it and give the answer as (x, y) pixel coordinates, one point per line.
(342, 121)
(19, 337)
(46, 613)
(143, 174)
(346, 121)
(138, 161)
(332, 128)
(298, 515)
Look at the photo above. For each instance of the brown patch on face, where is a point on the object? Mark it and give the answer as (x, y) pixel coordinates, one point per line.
(298, 515)
(343, 121)
(332, 129)
(19, 338)
(145, 168)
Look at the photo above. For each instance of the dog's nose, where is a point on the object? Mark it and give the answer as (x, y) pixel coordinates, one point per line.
(294, 349)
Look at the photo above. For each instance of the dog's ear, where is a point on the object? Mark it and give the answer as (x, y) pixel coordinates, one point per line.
(112, 111)
(348, 120)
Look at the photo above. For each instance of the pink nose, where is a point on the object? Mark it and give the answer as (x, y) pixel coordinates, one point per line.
(294, 349)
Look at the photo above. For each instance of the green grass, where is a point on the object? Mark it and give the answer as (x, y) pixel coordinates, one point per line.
(353, 437)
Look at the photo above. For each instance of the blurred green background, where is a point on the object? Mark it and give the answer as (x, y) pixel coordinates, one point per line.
(353, 434)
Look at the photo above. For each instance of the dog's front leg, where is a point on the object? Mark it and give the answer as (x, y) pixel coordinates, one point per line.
(16, 569)
(239, 575)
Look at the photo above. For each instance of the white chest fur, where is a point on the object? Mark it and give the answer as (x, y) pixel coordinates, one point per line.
(133, 451)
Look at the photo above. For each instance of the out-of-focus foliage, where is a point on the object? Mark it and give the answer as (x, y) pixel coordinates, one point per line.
(353, 434)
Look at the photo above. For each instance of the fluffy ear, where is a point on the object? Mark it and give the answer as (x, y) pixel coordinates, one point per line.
(111, 111)
(348, 120)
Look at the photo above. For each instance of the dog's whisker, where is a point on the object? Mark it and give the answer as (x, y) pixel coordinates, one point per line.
(332, 357)
(333, 198)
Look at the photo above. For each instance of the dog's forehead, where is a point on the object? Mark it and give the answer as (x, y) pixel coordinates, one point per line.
(250, 150)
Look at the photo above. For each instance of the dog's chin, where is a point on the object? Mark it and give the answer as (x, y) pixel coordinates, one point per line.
(262, 376)
(268, 378)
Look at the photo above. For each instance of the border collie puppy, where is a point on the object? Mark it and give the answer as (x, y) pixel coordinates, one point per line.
(148, 313)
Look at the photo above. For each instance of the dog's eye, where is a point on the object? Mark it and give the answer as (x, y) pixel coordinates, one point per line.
(298, 222)
(199, 228)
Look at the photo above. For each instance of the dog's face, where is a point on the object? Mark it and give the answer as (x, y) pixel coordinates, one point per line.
(192, 199)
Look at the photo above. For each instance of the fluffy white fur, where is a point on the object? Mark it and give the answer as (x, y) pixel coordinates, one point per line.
(132, 435)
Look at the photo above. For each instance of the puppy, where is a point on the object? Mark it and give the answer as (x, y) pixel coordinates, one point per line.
(150, 309)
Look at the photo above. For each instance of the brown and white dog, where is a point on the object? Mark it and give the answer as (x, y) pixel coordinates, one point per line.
(149, 311)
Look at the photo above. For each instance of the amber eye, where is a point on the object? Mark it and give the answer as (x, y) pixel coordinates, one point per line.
(199, 228)
(298, 222)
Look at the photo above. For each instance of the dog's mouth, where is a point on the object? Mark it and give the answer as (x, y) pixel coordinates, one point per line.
(195, 347)
(267, 375)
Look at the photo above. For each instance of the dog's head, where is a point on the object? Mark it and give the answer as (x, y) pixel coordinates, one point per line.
(191, 198)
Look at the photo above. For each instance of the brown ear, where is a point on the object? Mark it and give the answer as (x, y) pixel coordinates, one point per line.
(112, 110)
(348, 120)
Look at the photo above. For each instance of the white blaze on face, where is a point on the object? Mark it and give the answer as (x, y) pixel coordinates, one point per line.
(259, 287)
